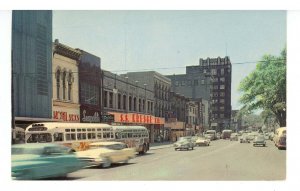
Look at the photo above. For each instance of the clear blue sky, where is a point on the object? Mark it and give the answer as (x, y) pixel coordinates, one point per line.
(167, 41)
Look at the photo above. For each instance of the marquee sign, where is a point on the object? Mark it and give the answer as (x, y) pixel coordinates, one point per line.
(137, 118)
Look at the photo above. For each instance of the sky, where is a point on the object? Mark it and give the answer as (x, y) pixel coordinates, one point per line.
(168, 41)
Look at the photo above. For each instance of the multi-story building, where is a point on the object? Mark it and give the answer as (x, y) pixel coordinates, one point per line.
(196, 87)
(130, 102)
(65, 82)
(236, 120)
(90, 83)
(219, 70)
(160, 85)
(31, 66)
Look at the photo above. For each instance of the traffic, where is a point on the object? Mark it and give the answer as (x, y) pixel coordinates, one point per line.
(57, 149)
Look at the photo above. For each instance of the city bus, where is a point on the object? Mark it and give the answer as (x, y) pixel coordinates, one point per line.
(78, 136)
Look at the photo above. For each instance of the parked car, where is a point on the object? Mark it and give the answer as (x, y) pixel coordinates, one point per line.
(280, 138)
(259, 140)
(209, 137)
(105, 153)
(202, 141)
(234, 137)
(38, 161)
(184, 143)
(244, 139)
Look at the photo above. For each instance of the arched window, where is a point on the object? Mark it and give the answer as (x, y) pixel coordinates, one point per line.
(70, 79)
(64, 84)
(57, 84)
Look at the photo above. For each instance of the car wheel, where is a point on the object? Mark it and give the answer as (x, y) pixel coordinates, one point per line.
(192, 148)
(175, 149)
(106, 163)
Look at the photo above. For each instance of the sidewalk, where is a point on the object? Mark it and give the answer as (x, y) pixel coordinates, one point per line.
(154, 146)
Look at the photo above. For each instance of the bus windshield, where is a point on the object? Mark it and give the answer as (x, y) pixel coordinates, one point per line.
(39, 138)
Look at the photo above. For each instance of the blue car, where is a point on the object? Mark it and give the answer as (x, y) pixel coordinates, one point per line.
(39, 161)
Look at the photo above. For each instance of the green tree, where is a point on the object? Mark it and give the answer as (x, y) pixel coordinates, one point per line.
(265, 87)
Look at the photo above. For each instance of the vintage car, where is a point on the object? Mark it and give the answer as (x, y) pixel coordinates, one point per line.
(202, 141)
(234, 137)
(244, 138)
(184, 143)
(105, 153)
(41, 160)
(259, 140)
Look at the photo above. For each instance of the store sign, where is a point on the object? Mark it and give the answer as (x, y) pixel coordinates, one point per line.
(65, 116)
(137, 118)
(90, 118)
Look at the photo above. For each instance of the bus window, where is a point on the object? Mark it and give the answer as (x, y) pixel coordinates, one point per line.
(117, 135)
(106, 134)
(58, 137)
(68, 136)
(91, 135)
(99, 135)
(73, 136)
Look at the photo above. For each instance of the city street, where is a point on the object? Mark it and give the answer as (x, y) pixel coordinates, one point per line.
(222, 160)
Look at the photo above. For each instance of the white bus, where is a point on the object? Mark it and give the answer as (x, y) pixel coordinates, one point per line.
(78, 136)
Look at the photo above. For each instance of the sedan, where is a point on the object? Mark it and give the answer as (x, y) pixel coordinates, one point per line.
(234, 137)
(244, 138)
(184, 143)
(201, 141)
(259, 140)
(38, 161)
(105, 153)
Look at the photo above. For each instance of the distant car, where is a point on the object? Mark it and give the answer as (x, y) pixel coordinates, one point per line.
(202, 141)
(209, 137)
(105, 153)
(250, 136)
(259, 140)
(184, 143)
(234, 137)
(280, 138)
(39, 161)
(243, 139)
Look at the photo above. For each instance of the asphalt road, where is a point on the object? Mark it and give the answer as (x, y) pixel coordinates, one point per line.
(222, 160)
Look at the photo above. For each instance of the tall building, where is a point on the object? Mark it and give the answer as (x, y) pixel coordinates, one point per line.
(32, 66)
(219, 70)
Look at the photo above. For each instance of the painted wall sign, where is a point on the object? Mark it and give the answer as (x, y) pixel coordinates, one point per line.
(137, 118)
(65, 116)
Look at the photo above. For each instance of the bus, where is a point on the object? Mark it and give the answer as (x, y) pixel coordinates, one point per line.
(78, 136)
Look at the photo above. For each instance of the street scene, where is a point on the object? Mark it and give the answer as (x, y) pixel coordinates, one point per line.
(202, 163)
(148, 96)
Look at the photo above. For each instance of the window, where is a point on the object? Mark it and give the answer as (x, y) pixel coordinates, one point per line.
(222, 79)
(91, 135)
(70, 77)
(213, 72)
(57, 84)
(90, 94)
(64, 84)
(58, 137)
(119, 101)
(222, 87)
(202, 82)
(110, 100)
(105, 99)
(124, 102)
(176, 83)
(222, 71)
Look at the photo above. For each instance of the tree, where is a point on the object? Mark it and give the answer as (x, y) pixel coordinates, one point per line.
(265, 87)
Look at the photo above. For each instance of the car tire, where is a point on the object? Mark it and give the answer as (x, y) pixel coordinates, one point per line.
(106, 163)
(192, 148)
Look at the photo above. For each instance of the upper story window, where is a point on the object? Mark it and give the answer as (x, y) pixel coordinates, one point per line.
(57, 84)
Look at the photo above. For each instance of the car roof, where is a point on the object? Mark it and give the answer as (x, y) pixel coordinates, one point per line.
(36, 145)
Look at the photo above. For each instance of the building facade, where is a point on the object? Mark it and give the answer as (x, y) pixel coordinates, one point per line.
(160, 85)
(31, 66)
(65, 82)
(130, 102)
(90, 83)
(219, 71)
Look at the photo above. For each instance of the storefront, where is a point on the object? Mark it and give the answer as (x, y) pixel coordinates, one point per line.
(152, 123)
(66, 113)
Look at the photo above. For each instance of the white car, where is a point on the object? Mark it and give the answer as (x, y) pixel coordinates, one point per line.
(106, 153)
(202, 141)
